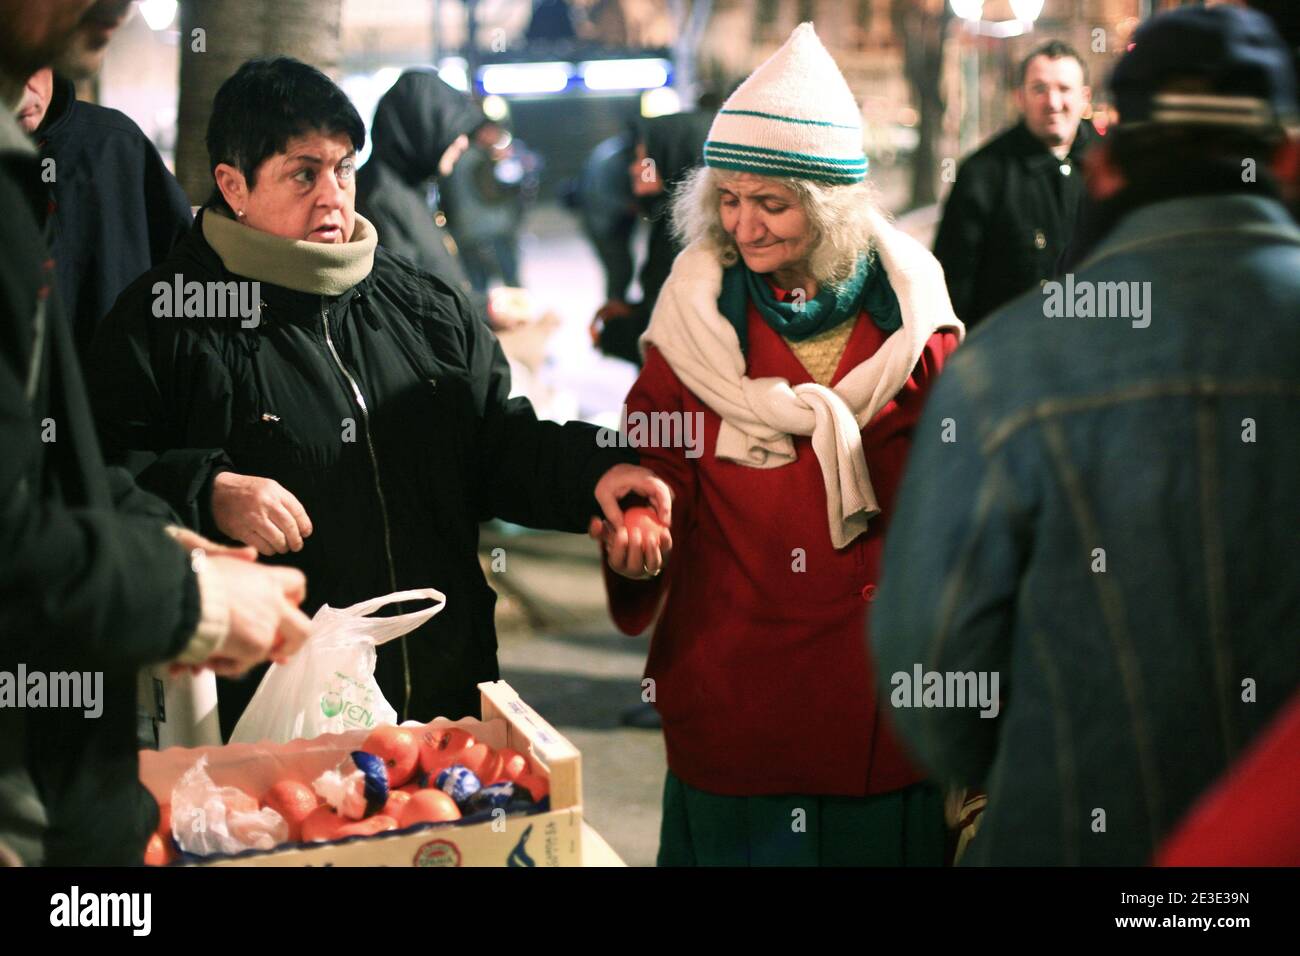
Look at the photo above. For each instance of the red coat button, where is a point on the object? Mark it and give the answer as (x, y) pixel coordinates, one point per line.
(869, 592)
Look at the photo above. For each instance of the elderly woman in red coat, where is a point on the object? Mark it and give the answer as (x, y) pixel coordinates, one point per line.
(802, 332)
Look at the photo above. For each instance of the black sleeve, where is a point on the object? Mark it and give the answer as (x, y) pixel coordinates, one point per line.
(87, 587)
(130, 499)
(959, 244)
(135, 411)
(167, 206)
(535, 473)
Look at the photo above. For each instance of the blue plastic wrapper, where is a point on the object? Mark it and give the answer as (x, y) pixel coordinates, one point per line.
(357, 787)
(376, 776)
(498, 796)
(459, 783)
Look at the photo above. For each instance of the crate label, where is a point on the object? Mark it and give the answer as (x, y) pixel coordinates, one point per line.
(437, 853)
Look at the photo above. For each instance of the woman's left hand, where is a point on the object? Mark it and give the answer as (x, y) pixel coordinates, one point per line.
(623, 480)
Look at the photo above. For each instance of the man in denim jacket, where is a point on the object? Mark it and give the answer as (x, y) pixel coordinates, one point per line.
(1101, 507)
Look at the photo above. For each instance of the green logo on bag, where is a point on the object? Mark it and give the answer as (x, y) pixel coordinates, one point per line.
(347, 697)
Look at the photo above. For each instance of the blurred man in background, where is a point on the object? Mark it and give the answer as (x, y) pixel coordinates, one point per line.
(670, 147)
(1013, 207)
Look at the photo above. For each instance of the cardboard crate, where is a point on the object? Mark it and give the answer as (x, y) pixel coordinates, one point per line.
(549, 838)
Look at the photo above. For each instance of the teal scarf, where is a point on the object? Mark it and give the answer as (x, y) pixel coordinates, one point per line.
(868, 289)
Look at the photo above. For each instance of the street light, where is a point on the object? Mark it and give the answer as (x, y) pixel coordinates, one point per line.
(1024, 14)
(1026, 11)
(158, 14)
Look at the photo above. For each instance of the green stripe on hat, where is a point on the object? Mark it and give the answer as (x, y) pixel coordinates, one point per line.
(783, 165)
(856, 162)
(789, 119)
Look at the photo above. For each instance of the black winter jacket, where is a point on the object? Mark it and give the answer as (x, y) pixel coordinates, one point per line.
(115, 208)
(89, 581)
(385, 411)
(1008, 220)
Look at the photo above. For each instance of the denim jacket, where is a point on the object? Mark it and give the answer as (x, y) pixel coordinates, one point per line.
(1105, 513)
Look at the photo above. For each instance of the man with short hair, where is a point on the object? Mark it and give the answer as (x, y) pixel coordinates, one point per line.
(1101, 507)
(1013, 207)
(89, 579)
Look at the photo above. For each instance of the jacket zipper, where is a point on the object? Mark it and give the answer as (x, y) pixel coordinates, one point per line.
(379, 490)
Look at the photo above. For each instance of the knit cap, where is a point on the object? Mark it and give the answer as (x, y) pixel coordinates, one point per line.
(793, 116)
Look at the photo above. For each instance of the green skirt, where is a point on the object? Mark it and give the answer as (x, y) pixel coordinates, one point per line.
(902, 828)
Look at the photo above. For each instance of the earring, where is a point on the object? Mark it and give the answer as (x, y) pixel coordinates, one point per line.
(240, 214)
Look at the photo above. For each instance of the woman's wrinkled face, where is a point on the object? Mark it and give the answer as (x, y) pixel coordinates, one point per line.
(306, 192)
(766, 220)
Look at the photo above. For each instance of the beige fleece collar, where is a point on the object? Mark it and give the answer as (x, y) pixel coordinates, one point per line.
(315, 267)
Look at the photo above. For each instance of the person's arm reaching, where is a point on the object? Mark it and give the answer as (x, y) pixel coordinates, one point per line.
(538, 473)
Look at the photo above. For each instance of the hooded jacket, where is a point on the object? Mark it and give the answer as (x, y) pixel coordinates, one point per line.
(385, 410)
(115, 209)
(415, 122)
(89, 582)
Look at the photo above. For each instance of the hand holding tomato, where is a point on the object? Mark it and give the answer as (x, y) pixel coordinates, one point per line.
(640, 549)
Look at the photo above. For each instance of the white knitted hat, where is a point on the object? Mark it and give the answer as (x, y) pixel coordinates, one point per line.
(793, 116)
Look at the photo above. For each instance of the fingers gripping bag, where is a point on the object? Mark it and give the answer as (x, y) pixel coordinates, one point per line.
(329, 686)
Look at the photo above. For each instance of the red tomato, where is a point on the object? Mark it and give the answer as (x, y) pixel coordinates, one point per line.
(294, 801)
(442, 747)
(643, 518)
(159, 850)
(398, 748)
(491, 772)
(477, 759)
(379, 823)
(513, 764)
(397, 801)
(429, 806)
(322, 824)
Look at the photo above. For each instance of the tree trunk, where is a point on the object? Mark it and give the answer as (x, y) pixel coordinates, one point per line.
(231, 32)
(921, 26)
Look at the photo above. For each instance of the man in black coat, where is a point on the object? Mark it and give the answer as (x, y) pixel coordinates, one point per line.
(115, 208)
(90, 583)
(1012, 211)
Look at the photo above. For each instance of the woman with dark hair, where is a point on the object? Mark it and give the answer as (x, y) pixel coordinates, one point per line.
(356, 423)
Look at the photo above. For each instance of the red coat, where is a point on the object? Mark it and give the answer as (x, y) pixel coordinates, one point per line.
(761, 671)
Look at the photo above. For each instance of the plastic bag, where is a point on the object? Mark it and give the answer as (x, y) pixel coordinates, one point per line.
(208, 819)
(329, 686)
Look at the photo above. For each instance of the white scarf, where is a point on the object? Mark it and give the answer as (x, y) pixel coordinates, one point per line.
(760, 416)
